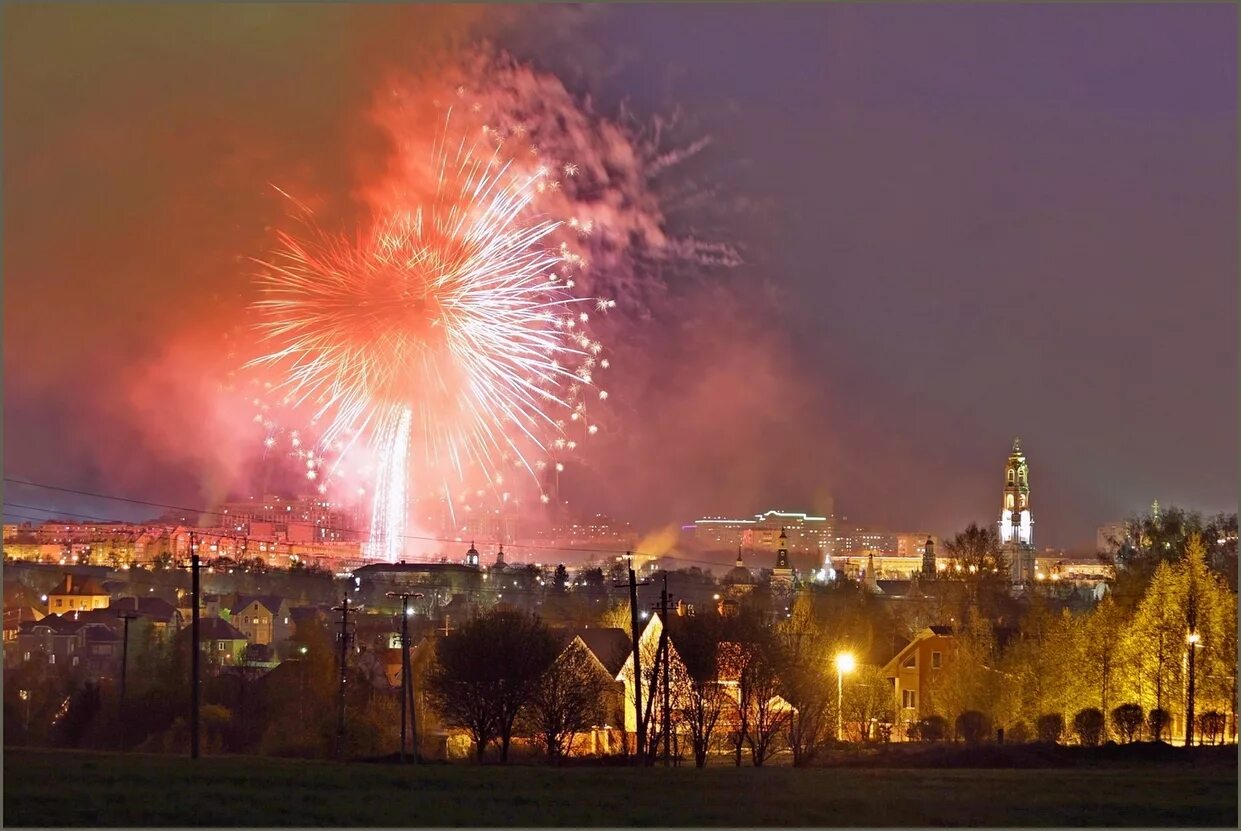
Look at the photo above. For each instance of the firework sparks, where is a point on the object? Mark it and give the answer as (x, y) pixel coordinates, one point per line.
(439, 340)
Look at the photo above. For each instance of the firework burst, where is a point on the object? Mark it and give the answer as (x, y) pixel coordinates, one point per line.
(446, 338)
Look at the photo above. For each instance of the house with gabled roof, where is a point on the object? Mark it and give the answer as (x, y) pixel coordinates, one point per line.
(77, 593)
(78, 642)
(263, 619)
(648, 648)
(914, 670)
(732, 659)
(220, 642)
(605, 651)
(164, 617)
(21, 605)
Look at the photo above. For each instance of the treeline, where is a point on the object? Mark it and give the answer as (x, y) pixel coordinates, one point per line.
(1129, 651)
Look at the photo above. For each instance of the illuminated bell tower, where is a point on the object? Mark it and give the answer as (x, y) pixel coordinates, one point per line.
(1016, 521)
(782, 574)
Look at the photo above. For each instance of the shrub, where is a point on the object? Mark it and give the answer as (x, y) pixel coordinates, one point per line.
(931, 729)
(1127, 719)
(1088, 725)
(971, 726)
(1157, 722)
(1018, 733)
(1211, 726)
(1050, 727)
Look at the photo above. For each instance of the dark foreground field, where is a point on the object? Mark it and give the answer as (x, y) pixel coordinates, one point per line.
(100, 789)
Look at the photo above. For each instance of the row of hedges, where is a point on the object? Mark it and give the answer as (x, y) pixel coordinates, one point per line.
(1088, 727)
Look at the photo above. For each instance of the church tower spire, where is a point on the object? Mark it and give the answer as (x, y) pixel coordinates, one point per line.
(782, 574)
(1016, 519)
(928, 558)
(782, 552)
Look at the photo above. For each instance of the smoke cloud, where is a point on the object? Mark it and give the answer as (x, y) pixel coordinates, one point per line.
(139, 186)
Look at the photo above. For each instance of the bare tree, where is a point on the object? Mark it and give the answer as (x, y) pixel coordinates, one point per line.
(700, 695)
(569, 698)
(867, 700)
(805, 674)
(487, 671)
(976, 554)
(751, 661)
(769, 714)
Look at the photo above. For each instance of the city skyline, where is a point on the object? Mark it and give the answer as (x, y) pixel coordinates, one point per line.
(881, 354)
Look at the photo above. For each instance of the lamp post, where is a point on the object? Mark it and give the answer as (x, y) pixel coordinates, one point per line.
(844, 663)
(1193, 641)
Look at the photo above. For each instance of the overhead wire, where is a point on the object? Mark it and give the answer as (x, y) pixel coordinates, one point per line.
(219, 515)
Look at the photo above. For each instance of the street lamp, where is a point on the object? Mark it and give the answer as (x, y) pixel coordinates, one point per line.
(844, 663)
(1193, 640)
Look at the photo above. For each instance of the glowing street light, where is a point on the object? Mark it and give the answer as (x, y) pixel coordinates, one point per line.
(845, 662)
(1193, 641)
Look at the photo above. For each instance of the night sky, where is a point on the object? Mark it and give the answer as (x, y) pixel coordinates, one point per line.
(960, 225)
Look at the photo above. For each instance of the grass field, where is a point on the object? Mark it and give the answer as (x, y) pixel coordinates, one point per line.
(101, 789)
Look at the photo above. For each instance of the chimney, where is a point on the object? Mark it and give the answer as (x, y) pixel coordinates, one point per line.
(68, 584)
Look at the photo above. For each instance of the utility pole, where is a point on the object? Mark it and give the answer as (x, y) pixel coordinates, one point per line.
(666, 720)
(195, 657)
(127, 616)
(667, 676)
(344, 610)
(407, 681)
(637, 661)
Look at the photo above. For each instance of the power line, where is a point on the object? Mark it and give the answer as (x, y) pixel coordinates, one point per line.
(58, 513)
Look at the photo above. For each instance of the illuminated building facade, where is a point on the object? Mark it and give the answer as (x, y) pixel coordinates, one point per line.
(895, 555)
(1016, 520)
(803, 533)
(599, 532)
(305, 519)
